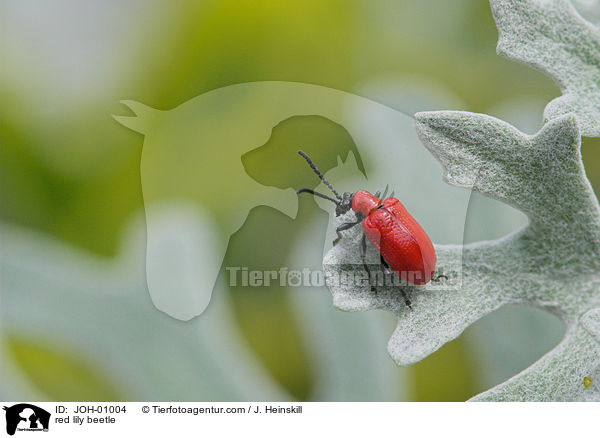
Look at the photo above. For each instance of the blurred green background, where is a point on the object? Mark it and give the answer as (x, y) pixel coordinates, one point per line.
(68, 169)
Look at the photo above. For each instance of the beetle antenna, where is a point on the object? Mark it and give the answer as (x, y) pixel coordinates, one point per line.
(319, 174)
(320, 195)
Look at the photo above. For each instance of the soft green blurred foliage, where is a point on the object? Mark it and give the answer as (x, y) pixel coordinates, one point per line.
(59, 373)
(445, 376)
(67, 168)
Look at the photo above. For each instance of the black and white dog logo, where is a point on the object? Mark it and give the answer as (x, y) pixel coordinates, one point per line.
(26, 417)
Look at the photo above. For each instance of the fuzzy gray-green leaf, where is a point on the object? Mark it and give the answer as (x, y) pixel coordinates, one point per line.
(551, 263)
(551, 36)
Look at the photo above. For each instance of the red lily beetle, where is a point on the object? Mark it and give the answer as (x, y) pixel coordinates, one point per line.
(402, 244)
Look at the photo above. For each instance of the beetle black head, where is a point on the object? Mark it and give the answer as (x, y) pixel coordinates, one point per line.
(343, 203)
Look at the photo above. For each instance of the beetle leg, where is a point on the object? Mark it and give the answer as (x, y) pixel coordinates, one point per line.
(363, 256)
(344, 227)
(388, 270)
(437, 278)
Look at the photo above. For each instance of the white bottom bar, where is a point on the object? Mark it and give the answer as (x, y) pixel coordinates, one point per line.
(304, 419)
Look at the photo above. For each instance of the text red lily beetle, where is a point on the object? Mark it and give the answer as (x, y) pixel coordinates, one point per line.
(402, 244)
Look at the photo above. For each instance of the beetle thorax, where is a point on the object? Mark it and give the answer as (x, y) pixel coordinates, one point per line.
(364, 202)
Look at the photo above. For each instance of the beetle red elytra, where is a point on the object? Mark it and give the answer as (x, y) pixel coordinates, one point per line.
(403, 245)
